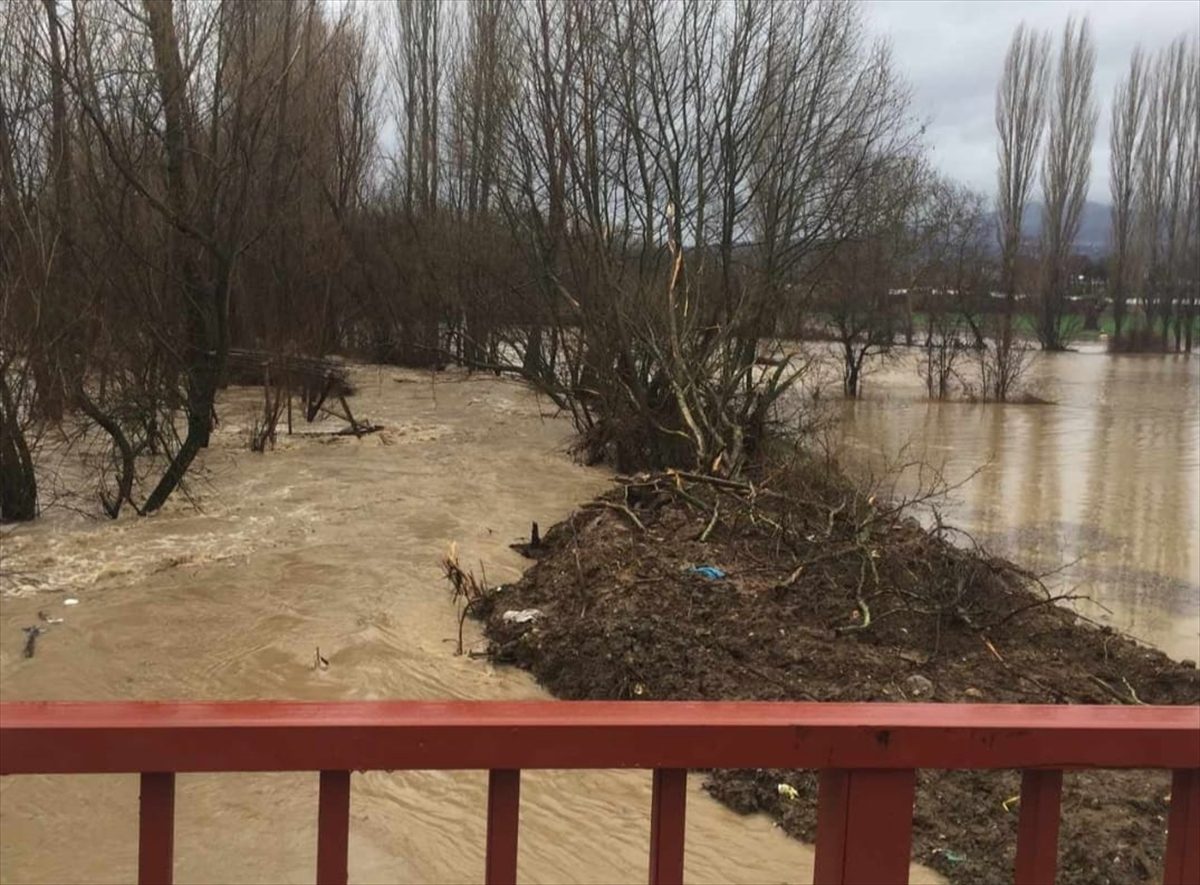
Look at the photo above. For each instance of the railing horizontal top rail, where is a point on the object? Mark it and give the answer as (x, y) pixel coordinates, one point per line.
(63, 738)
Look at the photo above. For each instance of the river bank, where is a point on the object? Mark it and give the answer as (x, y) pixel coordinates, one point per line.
(676, 588)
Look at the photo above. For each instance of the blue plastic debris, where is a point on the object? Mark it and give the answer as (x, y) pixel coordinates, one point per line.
(952, 857)
(707, 571)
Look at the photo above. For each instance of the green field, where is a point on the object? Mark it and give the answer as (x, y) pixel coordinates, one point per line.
(1026, 326)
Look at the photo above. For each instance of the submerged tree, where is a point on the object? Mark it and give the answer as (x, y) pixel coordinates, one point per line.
(684, 195)
(623, 203)
(1166, 191)
(26, 257)
(1066, 169)
(1020, 122)
(955, 281)
(1128, 121)
(148, 155)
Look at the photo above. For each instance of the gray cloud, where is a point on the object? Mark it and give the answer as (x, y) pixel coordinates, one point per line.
(952, 51)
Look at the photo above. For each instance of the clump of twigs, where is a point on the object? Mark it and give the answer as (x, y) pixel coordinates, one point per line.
(467, 590)
(818, 530)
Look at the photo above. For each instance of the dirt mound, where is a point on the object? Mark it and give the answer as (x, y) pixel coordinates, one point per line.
(817, 591)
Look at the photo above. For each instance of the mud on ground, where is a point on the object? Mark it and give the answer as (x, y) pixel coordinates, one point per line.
(830, 595)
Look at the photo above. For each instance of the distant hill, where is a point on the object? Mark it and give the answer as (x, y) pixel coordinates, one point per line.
(1095, 227)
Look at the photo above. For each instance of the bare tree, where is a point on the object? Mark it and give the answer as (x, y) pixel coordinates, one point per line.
(1128, 120)
(1163, 177)
(869, 275)
(1066, 170)
(414, 44)
(481, 92)
(675, 178)
(1020, 121)
(1188, 264)
(1181, 214)
(187, 160)
(955, 282)
(28, 240)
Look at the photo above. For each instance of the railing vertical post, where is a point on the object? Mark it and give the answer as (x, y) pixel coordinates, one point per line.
(1182, 863)
(156, 829)
(864, 826)
(1037, 831)
(503, 823)
(333, 828)
(668, 823)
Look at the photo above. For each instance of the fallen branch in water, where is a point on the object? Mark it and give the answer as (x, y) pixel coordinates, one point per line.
(468, 590)
(362, 430)
(31, 635)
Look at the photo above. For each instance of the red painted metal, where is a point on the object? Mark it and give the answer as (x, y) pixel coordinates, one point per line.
(129, 737)
(503, 817)
(1182, 863)
(156, 829)
(668, 825)
(864, 826)
(1037, 832)
(333, 828)
(867, 753)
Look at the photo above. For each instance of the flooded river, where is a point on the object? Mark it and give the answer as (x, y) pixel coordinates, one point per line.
(1102, 486)
(329, 542)
(335, 543)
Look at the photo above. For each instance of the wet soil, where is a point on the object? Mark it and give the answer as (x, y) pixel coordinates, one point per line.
(829, 594)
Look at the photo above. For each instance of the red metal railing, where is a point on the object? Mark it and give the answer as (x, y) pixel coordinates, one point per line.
(867, 755)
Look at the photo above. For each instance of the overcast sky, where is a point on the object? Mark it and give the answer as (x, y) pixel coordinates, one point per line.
(952, 51)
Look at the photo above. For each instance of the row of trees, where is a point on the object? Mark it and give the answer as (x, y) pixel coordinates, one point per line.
(1155, 177)
(630, 203)
(616, 199)
(1045, 111)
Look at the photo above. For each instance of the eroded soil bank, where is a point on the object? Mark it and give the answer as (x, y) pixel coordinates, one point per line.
(830, 595)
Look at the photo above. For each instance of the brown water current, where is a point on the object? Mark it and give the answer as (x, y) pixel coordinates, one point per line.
(330, 542)
(1101, 486)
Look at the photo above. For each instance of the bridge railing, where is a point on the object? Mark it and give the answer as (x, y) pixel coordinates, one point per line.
(867, 755)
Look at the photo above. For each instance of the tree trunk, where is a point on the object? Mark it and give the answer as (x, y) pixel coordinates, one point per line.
(850, 372)
(50, 392)
(206, 301)
(18, 482)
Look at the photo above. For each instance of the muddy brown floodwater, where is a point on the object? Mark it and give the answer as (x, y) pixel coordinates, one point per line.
(335, 542)
(329, 542)
(1104, 485)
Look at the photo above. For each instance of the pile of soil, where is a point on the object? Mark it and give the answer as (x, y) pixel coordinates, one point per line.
(829, 594)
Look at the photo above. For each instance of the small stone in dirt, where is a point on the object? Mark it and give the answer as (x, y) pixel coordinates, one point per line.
(524, 616)
(918, 686)
(973, 693)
